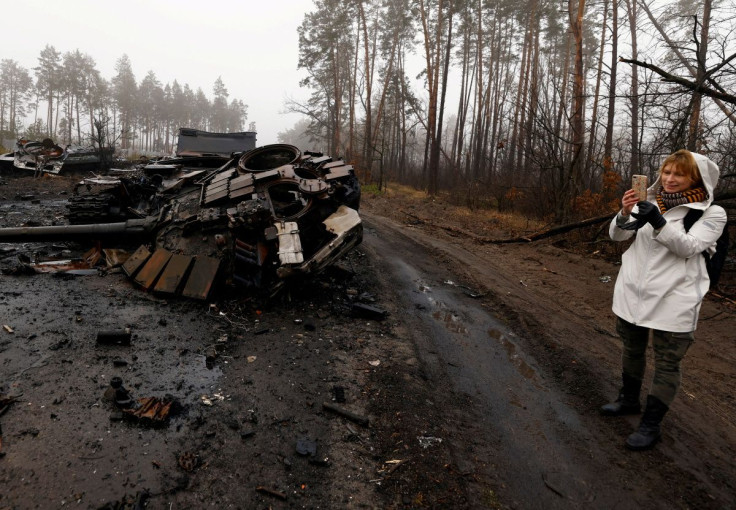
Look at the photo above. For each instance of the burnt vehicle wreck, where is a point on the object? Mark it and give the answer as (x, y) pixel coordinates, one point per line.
(264, 217)
(47, 157)
(197, 149)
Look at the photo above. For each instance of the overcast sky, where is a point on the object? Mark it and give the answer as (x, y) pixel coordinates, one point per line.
(252, 45)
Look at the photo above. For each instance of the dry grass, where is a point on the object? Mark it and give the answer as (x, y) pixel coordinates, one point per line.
(405, 200)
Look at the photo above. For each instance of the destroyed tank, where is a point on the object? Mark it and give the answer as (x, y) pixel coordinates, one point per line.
(266, 216)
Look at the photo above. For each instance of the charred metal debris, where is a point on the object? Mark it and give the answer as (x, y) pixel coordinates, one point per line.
(46, 156)
(263, 217)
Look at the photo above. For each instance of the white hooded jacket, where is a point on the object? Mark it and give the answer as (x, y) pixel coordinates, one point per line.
(663, 279)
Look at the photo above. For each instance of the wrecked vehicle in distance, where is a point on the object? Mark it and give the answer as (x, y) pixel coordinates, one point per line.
(265, 216)
(197, 149)
(47, 157)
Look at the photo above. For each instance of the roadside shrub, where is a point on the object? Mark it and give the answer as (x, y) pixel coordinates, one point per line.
(371, 189)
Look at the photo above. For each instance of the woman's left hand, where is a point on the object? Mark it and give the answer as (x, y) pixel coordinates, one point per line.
(649, 212)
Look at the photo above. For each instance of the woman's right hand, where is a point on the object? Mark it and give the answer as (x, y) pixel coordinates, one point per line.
(631, 197)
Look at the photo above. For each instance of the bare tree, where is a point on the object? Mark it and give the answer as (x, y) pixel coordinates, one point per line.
(15, 83)
(608, 163)
(598, 79)
(48, 79)
(631, 9)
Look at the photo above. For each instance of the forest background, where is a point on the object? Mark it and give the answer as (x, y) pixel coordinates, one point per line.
(542, 107)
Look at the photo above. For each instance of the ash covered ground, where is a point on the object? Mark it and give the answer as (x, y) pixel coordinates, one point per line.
(479, 388)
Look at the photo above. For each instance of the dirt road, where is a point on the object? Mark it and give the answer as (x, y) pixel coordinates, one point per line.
(533, 354)
(546, 455)
(480, 389)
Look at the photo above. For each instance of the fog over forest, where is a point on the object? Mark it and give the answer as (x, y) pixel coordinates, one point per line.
(519, 105)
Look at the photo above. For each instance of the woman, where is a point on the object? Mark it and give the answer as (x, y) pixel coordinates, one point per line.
(661, 283)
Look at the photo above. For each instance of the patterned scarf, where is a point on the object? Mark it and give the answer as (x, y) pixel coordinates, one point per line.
(667, 201)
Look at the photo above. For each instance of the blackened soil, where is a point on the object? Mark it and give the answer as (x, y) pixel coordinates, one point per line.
(479, 389)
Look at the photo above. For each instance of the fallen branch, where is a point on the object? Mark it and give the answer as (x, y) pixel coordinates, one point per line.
(522, 239)
(720, 296)
(5, 403)
(395, 466)
(361, 420)
(556, 230)
(277, 494)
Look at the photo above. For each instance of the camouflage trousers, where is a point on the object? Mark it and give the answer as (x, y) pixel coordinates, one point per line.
(669, 349)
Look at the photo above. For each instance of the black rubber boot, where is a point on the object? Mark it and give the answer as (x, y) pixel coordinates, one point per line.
(648, 433)
(628, 399)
